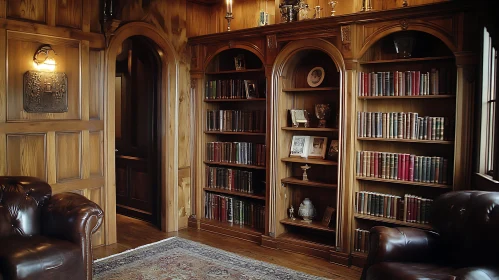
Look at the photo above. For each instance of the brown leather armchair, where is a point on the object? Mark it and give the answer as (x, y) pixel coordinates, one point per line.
(463, 245)
(45, 236)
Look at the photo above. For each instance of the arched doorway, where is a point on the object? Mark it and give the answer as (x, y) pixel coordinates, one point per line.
(167, 125)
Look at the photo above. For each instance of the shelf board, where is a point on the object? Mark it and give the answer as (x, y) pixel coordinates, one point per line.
(405, 140)
(300, 182)
(312, 129)
(392, 221)
(313, 225)
(436, 96)
(234, 132)
(431, 185)
(235, 165)
(402, 60)
(310, 160)
(233, 227)
(235, 100)
(310, 89)
(235, 71)
(359, 254)
(236, 193)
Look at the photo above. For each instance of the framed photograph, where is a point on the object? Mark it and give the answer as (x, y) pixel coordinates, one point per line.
(315, 76)
(317, 147)
(299, 116)
(251, 87)
(328, 215)
(334, 150)
(239, 62)
(299, 146)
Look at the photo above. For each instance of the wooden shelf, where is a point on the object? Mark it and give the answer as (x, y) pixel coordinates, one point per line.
(310, 89)
(437, 96)
(431, 185)
(311, 129)
(310, 160)
(403, 60)
(235, 100)
(234, 132)
(235, 165)
(235, 71)
(313, 225)
(406, 140)
(291, 237)
(392, 221)
(300, 182)
(236, 193)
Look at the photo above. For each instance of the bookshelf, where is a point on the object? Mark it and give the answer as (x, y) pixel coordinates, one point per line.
(405, 135)
(233, 178)
(294, 92)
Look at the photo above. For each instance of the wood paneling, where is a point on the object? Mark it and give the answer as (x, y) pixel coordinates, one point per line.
(96, 195)
(69, 13)
(46, 126)
(26, 155)
(96, 153)
(199, 19)
(94, 16)
(21, 48)
(184, 196)
(96, 87)
(68, 148)
(33, 10)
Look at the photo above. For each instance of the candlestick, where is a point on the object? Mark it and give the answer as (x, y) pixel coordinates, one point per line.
(228, 16)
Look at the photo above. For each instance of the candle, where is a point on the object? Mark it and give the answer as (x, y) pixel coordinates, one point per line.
(229, 6)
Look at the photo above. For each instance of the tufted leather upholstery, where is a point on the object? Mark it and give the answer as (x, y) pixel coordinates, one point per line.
(44, 236)
(463, 245)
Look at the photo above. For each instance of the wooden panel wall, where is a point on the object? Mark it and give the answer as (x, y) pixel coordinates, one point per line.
(65, 149)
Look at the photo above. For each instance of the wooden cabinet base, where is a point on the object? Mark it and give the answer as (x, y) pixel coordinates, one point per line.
(339, 258)
(269, 242)
(235, 231)
(192, 223)
(359, 259)
(287, 242)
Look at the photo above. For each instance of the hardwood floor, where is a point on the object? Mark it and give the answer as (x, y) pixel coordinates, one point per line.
(133, 233)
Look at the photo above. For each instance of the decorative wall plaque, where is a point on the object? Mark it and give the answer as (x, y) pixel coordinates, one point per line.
(45, 92)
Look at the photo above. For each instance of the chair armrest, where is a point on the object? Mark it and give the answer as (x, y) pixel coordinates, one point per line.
(71, 216)
(401, 244)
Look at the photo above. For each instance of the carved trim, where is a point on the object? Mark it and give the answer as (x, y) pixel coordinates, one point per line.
(404, 24)
(272, 41)
(346, 36)
(231, 44)
(193, 83)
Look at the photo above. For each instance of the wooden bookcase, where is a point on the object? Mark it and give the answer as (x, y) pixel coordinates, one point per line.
(392, 152)
(233, 178)
(321, 188)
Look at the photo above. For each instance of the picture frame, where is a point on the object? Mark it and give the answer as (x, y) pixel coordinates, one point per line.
(315, 76)
(328, 215)
(299, 116)
(251, 88)
(299, 146)
(333, 150)
(239, 62)
(317, 147)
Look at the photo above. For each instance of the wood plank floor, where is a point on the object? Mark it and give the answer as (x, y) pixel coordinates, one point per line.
(133, 233)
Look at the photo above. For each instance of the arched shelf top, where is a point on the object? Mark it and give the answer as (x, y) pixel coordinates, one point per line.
(441, 44)
(224, 60)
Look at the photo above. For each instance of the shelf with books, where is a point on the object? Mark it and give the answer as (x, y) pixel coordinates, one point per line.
(312, 225)
(406, 60)
(235, 193)
(309, 183)
(431, 185)
(436, 96)
(309, 161)
(310, 129)
(392, 221)
(445, 142)
(232, 177)
(310, 89)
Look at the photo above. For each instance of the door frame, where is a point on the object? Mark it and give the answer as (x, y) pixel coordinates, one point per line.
(168, 127)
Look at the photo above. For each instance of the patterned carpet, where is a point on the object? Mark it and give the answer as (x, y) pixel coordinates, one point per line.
(178, 258)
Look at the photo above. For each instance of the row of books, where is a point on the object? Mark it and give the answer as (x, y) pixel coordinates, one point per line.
(399, 166)
(233, 210)
(361, 241)
(402, 125)
(226, 89)
(405, 83)
(235, 120)
(411, 208)
(236, 152)
(229, 179)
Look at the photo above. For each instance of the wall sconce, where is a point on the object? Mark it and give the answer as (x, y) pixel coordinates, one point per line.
(44, 58)
(45, 91)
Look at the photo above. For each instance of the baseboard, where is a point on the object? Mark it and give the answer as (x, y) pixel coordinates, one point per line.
(339, 258)
(269, 242)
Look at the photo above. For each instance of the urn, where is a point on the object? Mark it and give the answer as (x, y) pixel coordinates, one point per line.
(307, 210)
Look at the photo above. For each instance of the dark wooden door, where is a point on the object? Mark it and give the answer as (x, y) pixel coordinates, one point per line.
(137, 150)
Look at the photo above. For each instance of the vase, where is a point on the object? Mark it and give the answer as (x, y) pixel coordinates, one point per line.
(307, 210)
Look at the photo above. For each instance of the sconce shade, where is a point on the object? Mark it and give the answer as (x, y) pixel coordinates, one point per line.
(44, 58)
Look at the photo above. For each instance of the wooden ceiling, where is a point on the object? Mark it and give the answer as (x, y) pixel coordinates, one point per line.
(205, 2)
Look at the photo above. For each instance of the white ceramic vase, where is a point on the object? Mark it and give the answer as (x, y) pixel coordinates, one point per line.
(307, 210)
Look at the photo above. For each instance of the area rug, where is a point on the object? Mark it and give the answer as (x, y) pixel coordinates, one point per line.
(178, 258)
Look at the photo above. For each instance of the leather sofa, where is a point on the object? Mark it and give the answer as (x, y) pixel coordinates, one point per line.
(45, 236)
(463, 245)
